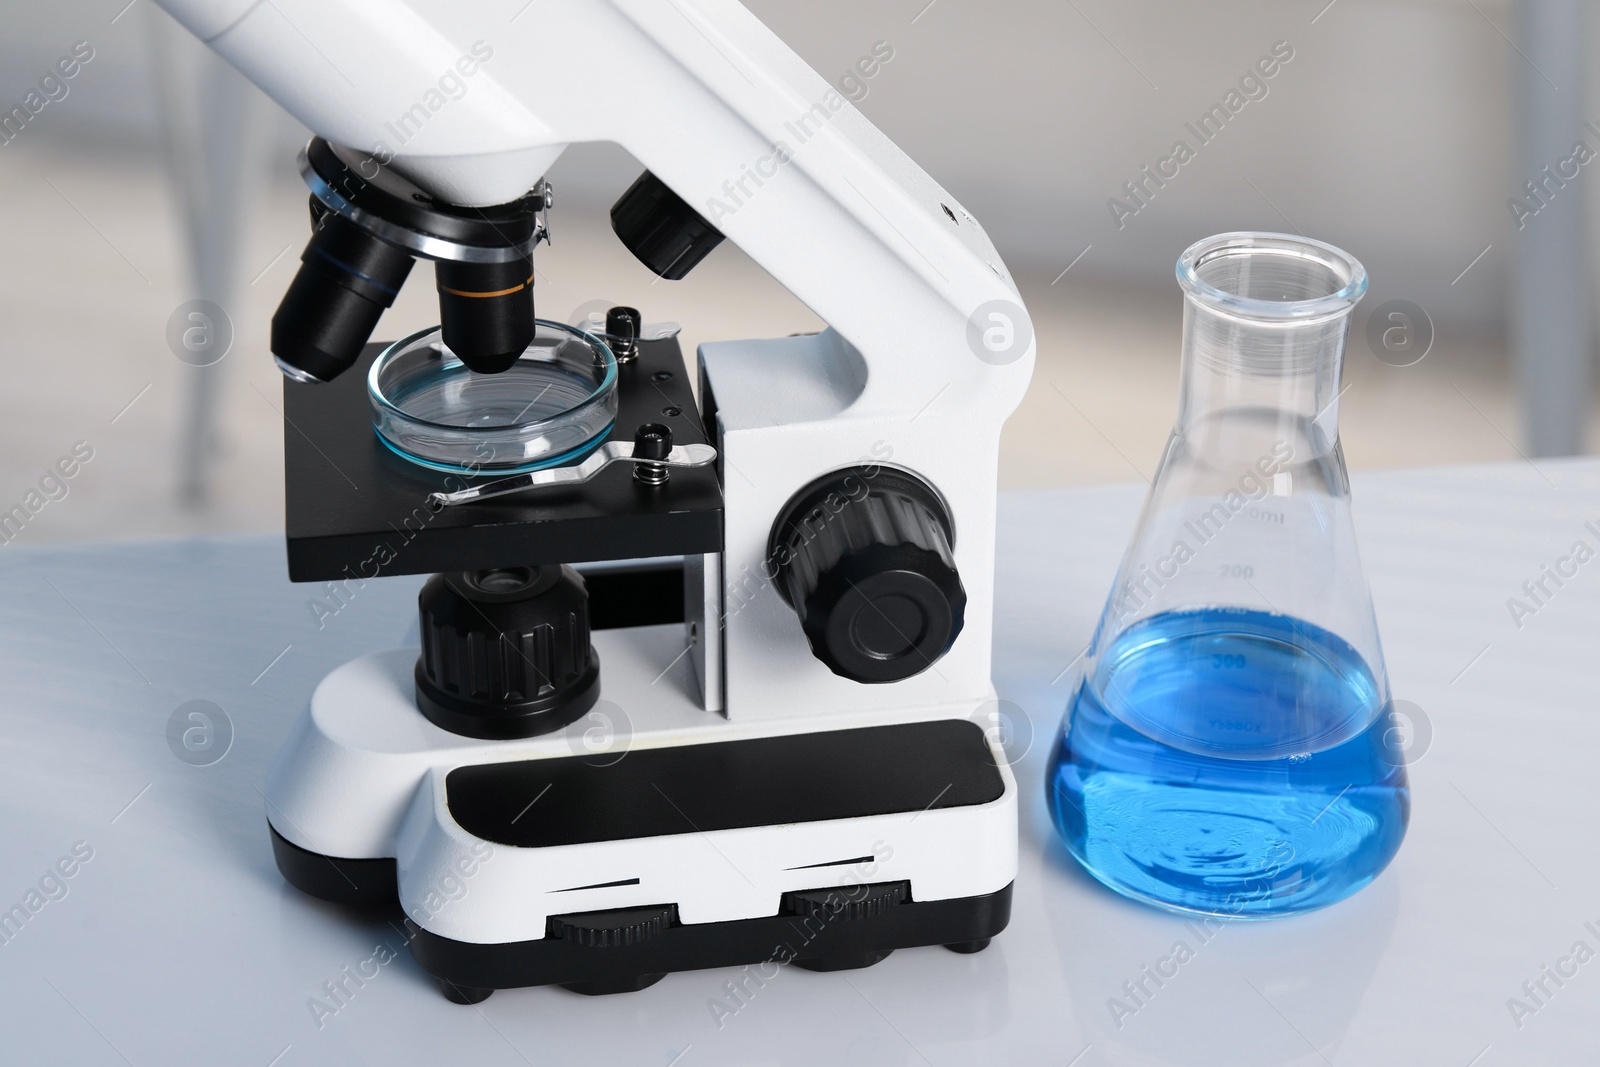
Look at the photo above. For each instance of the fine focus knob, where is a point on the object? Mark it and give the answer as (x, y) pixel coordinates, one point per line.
(505, 651)
(863, 556)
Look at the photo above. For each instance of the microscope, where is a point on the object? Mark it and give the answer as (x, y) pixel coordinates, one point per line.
(704, 668)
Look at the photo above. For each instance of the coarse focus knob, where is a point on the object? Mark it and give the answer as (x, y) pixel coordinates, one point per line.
(505, 651)
(863, 556)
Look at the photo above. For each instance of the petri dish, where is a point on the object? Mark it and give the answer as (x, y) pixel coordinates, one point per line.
(553, 406)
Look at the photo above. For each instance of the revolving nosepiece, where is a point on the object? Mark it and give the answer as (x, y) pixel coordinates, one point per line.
(369, 224)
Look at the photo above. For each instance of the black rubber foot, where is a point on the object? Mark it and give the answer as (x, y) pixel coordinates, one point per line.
(968, 947)
(462, 994)
(851, 962)
(614, 985)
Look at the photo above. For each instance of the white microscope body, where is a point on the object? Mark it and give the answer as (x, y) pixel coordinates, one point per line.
(927, 351)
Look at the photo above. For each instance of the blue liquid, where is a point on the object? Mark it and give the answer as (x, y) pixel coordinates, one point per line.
(1230, 762)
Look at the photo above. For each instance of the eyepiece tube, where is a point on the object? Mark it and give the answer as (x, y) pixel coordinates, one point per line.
(346, 279)
(486, 311)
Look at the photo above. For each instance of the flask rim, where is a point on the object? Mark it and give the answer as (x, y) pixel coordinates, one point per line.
(1341, 264)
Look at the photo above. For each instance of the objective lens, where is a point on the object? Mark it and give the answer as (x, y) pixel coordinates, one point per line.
(486, 311)
(346, 279)
(661, 229)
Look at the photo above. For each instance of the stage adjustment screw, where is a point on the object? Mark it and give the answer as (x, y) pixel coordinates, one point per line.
(622, 331)
(651, 441)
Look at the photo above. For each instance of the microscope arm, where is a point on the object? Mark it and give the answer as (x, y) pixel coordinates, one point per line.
(473, 102)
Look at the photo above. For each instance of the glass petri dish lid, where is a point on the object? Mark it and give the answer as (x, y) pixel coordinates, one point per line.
(554, 406)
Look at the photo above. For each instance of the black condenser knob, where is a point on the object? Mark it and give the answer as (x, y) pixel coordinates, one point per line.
(505, 651)
(863, 556)
(661, 229)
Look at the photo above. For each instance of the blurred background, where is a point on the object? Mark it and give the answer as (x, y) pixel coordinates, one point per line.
(1405, 131)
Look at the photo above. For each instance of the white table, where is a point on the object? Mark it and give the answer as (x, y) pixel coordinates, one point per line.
(179, 943)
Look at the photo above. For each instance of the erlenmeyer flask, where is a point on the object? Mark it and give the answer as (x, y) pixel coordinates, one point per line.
(1228, 749)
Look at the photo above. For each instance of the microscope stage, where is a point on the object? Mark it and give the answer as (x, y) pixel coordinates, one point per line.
(357, 510)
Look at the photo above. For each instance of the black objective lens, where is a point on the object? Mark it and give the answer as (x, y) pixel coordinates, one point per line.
(346, 278)
(486, 311)
(661, 229)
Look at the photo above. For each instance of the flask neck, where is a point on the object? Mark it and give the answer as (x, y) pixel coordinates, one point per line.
(1264, 327)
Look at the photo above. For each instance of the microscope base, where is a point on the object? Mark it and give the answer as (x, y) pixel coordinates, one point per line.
(698, 843)
(761, 945)
(804, 933)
